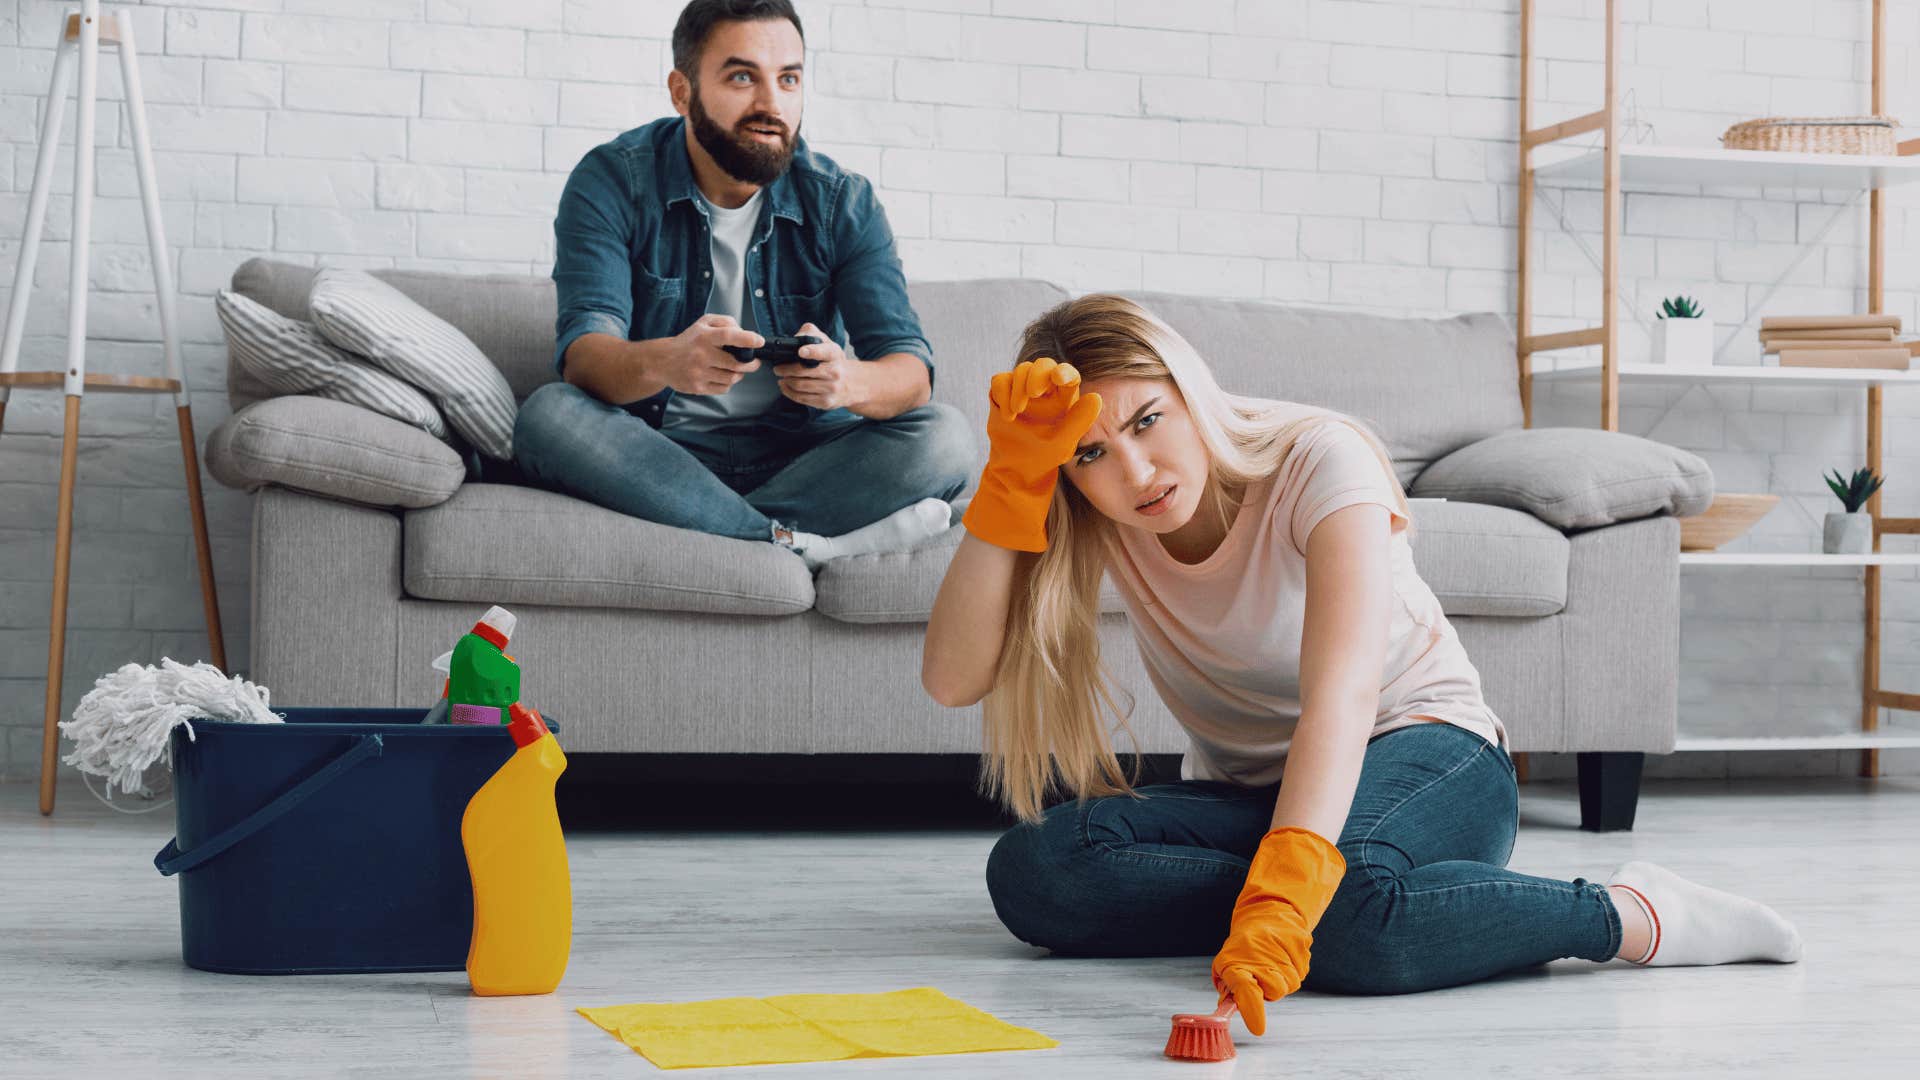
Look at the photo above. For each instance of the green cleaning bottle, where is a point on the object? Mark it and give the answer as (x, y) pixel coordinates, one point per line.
(483, 680)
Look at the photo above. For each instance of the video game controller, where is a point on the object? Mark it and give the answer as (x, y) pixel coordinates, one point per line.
(777, 351)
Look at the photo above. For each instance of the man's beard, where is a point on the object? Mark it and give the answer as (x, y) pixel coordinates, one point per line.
(742, 156)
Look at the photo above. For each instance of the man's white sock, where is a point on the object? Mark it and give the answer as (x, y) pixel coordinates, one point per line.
(898, 531)
(1694, 924)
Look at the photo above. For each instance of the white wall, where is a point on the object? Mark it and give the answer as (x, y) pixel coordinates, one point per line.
(1332, 152)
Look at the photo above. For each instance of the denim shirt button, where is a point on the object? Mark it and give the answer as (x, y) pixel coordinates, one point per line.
(759, 292)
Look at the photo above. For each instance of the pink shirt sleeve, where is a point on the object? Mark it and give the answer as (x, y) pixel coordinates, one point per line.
(1332, 467)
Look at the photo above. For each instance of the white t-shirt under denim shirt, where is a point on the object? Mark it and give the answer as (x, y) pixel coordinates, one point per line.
(1221, 638)
(731, 236)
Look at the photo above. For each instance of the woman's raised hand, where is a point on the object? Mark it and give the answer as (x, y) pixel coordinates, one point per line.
(1039, 415)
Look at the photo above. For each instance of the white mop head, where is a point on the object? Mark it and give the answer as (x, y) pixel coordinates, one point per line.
(121, 726)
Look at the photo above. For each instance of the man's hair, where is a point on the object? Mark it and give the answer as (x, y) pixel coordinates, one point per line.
(698, 19)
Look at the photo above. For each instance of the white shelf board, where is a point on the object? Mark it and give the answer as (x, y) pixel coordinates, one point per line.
(1714, 166)
(1855, 740)
(1797, 376)
(1715, 558)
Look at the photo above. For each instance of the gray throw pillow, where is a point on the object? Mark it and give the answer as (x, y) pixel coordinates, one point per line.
(1572, 478)
(362, 314)
(333, 449)
(291, 357)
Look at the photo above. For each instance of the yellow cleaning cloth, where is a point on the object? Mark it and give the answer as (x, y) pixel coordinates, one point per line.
(809, 1027)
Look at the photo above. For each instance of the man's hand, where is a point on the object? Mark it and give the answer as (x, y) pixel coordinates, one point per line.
(696, 361)
(837, 381)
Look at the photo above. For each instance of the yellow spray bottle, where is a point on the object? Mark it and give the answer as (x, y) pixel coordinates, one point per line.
(522, 896)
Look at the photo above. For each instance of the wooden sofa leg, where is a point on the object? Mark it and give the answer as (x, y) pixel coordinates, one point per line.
(1609, 790)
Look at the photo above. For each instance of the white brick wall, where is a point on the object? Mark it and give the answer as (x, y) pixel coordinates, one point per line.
(1356, 153)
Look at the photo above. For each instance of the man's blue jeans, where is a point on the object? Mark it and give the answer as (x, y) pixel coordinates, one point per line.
(824, 479)
(1426, 901)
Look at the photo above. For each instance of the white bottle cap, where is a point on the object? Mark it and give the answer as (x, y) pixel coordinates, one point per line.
(500, 619)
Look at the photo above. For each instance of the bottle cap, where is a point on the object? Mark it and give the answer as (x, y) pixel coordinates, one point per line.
(525, 725)
(496, 626)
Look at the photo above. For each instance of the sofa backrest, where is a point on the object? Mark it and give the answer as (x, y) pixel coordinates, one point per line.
(1427, 386)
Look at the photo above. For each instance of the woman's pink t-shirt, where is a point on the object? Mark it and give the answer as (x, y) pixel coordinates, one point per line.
(1221, 638)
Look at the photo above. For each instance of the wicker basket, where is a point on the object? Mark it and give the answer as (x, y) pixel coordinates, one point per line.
(1727, 519)
(1816, 135)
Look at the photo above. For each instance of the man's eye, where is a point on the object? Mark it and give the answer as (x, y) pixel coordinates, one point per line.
(791, 80)
(740, 77)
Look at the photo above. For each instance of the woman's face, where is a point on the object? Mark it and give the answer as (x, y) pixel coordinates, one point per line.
(1142, 463)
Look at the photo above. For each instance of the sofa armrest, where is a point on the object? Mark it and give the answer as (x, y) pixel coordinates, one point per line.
(333, 449)
(1572, 478)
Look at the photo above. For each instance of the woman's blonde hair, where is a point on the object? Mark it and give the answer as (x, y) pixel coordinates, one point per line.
(1050, 715)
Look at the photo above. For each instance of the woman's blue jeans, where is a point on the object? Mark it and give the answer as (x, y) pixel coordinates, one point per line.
(826, 479)
(1426, 901)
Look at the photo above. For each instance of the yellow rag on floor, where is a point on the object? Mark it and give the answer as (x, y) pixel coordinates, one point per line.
(809, 1027)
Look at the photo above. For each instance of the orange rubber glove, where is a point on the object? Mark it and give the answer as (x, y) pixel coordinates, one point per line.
(1038, 417)
(1288, 888)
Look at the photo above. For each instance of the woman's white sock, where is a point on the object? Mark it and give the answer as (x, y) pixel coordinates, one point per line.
(898, 531)
(1694, 924)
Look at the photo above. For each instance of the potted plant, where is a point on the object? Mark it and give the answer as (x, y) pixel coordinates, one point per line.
(1851, 533)
(1685, 337)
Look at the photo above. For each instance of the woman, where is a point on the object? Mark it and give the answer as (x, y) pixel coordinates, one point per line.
(1261, 548)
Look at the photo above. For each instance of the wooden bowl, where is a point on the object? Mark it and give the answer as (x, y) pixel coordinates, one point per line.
(1727, 518)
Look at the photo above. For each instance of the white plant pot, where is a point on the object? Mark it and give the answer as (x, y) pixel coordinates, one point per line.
(1848, 534)
(1684, 343)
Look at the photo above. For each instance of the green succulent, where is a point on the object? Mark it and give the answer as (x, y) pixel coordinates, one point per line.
(1681, 307)
(1854, 495)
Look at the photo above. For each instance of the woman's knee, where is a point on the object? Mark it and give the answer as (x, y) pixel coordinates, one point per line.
(1030, 878)
(1354, 949)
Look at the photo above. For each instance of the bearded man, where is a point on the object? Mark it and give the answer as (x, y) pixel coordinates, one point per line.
(689, 254)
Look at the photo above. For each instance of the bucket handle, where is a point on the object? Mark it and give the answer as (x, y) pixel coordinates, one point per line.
(171, 860)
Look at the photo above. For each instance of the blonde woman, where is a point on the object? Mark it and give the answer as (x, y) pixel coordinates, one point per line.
(1347, 787)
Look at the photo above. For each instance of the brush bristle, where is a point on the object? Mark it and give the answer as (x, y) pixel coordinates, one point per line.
(1205, 1040)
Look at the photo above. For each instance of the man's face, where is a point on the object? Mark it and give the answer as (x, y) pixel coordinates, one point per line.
(745, 105)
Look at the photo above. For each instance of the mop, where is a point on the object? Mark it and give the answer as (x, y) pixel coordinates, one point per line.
(121, 727)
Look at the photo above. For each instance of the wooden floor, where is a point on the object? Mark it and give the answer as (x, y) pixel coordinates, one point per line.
(91, 982)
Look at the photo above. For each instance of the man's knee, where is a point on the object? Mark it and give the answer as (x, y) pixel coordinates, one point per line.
(941, 455)
(547, 416)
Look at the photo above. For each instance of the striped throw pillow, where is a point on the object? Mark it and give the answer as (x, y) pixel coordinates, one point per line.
(291, 357)
(364, 315)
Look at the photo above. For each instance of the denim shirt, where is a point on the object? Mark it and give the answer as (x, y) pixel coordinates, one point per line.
(633, 258)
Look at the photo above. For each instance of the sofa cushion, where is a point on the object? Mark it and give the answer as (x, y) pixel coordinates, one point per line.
(1427, 387)
(1478, 560)
(293, 358)
(900, 586)
(505, 544)
(1573, 478)
(333, 449)
(367, 316)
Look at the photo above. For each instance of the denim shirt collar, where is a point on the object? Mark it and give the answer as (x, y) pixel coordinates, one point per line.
(783, 201)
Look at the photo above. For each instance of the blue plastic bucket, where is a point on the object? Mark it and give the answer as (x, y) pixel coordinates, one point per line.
(329, 843)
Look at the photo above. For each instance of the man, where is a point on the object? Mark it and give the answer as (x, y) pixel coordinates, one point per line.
(715, 230)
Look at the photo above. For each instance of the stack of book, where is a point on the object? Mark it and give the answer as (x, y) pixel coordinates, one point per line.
(1838, 341)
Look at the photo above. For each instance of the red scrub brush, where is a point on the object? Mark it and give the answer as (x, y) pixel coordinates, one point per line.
(1202, 1037)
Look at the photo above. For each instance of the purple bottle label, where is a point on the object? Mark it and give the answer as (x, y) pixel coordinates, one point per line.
(477, 714)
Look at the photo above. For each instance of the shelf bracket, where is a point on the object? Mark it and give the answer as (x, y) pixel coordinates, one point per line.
(1887, 699)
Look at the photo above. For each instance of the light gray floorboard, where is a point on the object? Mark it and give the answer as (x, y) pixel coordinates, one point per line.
(91, 982)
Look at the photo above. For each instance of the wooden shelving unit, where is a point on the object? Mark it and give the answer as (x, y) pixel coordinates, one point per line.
(1544, 158)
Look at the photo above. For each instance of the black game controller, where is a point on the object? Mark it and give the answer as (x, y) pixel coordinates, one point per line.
(777, 351)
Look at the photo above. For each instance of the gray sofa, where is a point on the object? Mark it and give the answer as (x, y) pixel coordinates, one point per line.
(372, 549)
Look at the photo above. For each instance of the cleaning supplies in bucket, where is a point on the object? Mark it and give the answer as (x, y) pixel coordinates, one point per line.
(482, 680)
(517, 857)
